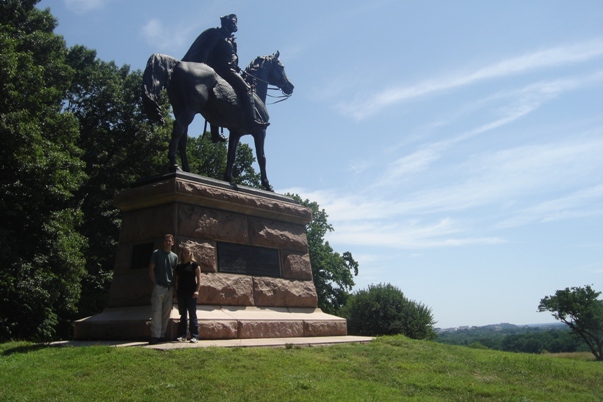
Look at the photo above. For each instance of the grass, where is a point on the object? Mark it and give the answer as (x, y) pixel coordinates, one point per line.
(388, 369)
(586, 356)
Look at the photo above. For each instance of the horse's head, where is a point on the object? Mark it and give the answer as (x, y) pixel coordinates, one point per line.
(277, 76)
(268, 70)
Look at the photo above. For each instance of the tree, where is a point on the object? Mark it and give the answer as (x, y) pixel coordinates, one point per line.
(384, 310)
(332, 272)
(581, 310)
(120, 146)
(40, 169)
(209, 159)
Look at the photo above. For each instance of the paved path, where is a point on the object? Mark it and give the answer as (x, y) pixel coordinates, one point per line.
(229, 343)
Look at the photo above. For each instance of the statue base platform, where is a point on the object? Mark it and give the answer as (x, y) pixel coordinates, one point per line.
(215, 322)
(251, 247)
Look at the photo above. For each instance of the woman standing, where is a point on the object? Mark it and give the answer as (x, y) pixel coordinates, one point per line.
(188, 282)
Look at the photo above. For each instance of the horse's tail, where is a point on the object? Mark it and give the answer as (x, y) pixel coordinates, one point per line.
(156, 76)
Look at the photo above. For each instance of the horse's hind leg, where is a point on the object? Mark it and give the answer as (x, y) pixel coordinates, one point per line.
(178, 141)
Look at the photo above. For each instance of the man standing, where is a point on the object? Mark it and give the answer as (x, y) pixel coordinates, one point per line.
(161, 269)
(217, 48)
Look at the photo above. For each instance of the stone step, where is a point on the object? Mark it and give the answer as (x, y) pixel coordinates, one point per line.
(215, 322)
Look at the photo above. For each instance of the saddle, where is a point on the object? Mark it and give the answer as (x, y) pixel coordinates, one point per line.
(226, 93)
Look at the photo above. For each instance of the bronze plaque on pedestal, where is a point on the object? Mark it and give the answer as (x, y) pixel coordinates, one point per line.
(248, 260)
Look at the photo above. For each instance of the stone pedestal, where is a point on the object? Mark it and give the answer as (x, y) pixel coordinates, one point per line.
(206, 214)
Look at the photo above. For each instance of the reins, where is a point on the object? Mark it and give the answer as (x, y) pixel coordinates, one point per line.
(281, 98)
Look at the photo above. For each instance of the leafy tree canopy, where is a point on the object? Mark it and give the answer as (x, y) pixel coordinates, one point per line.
(40, 170)
(581, 310)
(120, 146)
(384, 310)
(209, 159)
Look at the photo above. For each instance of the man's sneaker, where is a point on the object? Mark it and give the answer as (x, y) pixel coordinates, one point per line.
(154, 341)
(194, 340)
(181, 339)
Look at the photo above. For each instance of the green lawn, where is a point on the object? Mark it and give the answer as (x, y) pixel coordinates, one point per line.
(388, 369)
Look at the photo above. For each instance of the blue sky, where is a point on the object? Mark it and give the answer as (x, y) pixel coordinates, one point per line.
(456, 146)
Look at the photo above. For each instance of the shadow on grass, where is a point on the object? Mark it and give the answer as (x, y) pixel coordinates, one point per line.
(27, 348)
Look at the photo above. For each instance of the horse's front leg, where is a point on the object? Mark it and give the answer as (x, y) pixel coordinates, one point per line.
(173, 164)
(182, 149)
(233, 143)
(259, 138)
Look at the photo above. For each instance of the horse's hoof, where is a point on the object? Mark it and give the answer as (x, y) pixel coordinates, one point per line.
(268, 187)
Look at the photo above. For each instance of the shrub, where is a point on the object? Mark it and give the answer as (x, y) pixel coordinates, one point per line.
(384, 310)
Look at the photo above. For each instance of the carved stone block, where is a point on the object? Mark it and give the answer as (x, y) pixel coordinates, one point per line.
(223, 329)
(297, 266)
(270, 329)
(204, 253)
(132, 289)
(204, 223)
(148, 223)
(225, 289)
(273, 292)
(282, 235)
(325, 328)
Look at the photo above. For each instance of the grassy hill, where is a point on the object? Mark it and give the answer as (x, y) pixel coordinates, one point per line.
(388, 369)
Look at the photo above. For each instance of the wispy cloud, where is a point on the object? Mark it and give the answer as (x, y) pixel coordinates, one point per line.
(362, 220)
(412, 234)
(367, 106)
(578, 204)
(84, 6)
(504, 182)
(359, 166)
(408, 164)
(166, 38)
(519, 103)
(513, 174)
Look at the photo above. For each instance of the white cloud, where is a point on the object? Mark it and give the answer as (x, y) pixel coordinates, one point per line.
(578, 204)
(520, 103)
(411, 234)
(359, 166)
(409, 164)
(516, 173)
(367, 106)
(163, 38)
(500, 182)
(84, 6)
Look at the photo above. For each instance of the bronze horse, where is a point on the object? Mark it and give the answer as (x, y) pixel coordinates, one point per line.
(196, 88)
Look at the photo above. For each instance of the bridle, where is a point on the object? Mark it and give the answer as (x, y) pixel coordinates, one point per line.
(270, 87)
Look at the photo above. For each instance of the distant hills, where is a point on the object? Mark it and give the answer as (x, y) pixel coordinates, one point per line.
(503, 326)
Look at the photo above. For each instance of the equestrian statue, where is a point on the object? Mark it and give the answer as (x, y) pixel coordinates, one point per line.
(209, 81)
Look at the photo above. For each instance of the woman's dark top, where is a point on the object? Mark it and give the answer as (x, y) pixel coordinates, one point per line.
(186, 277)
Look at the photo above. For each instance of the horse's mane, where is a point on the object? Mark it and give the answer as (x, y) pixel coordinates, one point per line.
(254, 66)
